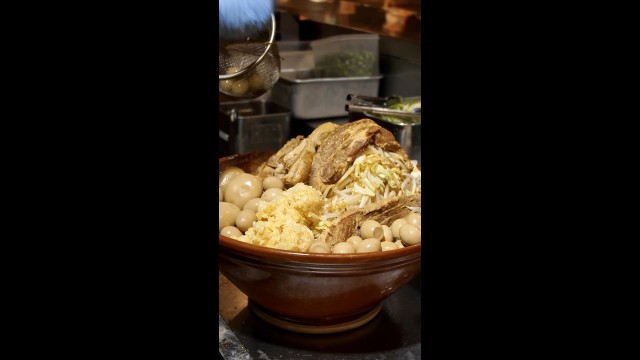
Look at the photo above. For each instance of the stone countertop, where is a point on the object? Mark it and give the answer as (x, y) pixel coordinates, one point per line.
(395, 333)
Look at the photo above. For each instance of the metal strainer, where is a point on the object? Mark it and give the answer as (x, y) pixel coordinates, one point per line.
(249, 68)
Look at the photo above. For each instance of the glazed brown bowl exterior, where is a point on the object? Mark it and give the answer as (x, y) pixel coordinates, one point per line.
(313, 289)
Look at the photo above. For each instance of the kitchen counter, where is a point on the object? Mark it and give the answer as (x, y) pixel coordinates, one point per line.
(395, 333)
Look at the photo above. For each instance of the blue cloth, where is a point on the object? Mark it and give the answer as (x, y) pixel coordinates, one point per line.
(242, 18)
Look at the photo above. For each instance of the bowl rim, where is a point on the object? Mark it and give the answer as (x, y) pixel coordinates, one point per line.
(297, 256)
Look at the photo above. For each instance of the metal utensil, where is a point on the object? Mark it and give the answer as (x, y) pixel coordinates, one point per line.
(379, 110)
(378, 107)
(249, 68)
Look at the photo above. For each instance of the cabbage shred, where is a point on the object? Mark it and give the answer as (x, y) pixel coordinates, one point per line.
(374, 176)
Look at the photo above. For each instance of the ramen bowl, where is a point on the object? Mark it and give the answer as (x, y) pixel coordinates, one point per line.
(310, 292)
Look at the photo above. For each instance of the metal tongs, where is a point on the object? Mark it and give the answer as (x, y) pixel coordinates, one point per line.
(376, 105)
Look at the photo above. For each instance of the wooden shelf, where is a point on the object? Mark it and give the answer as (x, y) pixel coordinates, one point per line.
(392, 18)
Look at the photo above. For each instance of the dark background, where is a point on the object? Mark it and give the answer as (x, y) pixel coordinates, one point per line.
(111, 139)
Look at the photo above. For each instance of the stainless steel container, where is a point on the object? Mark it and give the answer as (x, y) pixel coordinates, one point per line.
(408, 133)
(311, 97)
(316, 98)
(249, 126)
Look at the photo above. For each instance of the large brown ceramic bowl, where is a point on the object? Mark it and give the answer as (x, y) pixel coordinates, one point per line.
(313, 293)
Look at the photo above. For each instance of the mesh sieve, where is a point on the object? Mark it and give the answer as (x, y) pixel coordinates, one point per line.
(249, 68)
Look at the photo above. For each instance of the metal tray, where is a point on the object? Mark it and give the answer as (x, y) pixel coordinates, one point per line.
(247, 126)
(316, 98)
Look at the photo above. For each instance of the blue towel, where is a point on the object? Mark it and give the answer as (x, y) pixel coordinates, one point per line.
(243, 18)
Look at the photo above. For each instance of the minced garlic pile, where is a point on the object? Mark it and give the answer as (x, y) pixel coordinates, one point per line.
(289, 221)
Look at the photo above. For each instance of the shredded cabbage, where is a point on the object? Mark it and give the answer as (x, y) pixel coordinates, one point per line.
(374, 176)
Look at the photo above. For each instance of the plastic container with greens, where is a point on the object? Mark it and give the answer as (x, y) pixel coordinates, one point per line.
(346, 56)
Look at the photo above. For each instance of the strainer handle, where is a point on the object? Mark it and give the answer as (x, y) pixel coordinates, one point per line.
(258, 60)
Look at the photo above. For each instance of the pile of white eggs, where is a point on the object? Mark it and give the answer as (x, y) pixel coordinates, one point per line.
(374, 237)
(245, 85)
(239, 194)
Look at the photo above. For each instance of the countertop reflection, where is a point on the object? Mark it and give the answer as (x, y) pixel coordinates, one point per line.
(395, 333)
